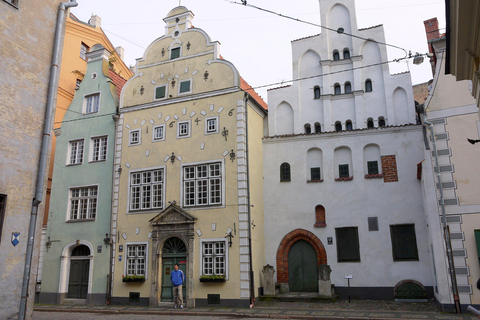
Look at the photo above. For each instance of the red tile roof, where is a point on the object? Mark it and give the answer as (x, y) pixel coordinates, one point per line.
(117, 81)
(248, 88)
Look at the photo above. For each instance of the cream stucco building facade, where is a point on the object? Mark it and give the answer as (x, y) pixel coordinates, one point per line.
(188, 175)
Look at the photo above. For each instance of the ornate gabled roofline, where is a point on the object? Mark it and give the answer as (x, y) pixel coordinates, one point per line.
(372, 27)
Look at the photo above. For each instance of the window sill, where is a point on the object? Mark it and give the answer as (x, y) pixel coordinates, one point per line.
(79, 220)
(133, 280)
(314, 181)
(344, 179)
(320, 225)
(74, 164)
(374, 176)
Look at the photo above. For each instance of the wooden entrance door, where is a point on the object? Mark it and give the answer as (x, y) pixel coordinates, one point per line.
(78, 281)
(302, 268)
(174, 251)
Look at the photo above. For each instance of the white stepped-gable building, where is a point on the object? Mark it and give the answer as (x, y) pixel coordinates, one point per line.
(340, 173)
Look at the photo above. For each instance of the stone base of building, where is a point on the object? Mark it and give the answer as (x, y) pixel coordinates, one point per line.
(372, 293)
(126, 301)
(94, 299)
(231, 303)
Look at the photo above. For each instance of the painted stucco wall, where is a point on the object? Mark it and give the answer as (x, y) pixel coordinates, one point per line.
(62, 231)
(27, 33)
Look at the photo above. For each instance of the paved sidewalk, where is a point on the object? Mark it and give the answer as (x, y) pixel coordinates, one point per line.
(357, 310)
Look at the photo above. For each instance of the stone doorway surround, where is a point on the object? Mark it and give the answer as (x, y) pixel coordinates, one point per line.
(172, 222)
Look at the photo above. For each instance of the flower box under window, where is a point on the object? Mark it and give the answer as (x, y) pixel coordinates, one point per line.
(133, 279)
(213, 278)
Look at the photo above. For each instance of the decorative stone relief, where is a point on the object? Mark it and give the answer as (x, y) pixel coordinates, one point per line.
(192, 114)
(151, 121)
(203, 113)
(175, 117)
(127, 165)
(199, 232)
(159, 116)
(127, 126)
(147, 153)
(184, 111)
(214, 226)
(142, 123)
(202, 145)
(212, 107)
(137, 231)
(268, 284)
(167, 118)
(194, 72)
(220, 109)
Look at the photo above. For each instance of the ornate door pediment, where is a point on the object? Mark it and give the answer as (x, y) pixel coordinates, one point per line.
(172, 214)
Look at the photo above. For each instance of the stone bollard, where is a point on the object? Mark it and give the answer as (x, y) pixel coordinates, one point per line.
(268, 280)
(324, 283)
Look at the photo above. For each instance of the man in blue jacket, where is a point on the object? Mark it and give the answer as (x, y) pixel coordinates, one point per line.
(177, 278)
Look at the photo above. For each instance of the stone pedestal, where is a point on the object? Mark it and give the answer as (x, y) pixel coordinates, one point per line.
(324, 283)
(268, 280)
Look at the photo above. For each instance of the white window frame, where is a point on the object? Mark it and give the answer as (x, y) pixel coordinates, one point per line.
(179, 125)
(180, 85)
(216, 125)
(139, 137)
(85, 97)
(92, 148)
(163, 135)
(141, 184)
(155, 92)
(125, 264)
(88, 198)
(225, 242)
(69, 155)
(208, 205)
(179, 55)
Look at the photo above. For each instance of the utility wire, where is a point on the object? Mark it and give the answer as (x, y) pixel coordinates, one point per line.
(339, 30)
(86, 118)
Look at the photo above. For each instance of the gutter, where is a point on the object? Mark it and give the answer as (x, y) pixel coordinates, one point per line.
(42, 167)
(446, 229)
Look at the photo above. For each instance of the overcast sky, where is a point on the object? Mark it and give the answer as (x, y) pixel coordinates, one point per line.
(258, 43)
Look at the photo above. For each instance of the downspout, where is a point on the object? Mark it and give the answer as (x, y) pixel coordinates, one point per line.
(42, 167)
(251, 275)
(446, 229)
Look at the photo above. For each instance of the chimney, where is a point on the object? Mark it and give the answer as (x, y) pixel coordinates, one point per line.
(431, 29)
(95, 21)
(121, 52)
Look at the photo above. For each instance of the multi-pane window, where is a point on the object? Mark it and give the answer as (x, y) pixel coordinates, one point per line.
(160, 92)
(348, 246)
(202, 184)
(99, 148)
(285, 172)
(185, 86)
(83, 51)
(343, 171)
(315, 173)
(83, 203)
(134, 137)
(183, 129)
(159, 133)
(211, 125)
(214, 258)
(316, 92)
(404, 242)
(76, 152)
(92, 103)
(175, 53)
(136, 260)
(146, 190)
(372, 167)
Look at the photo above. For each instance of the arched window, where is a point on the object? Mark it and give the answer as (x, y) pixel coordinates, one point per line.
(346, 53)
(337, 89)
(336, 55)
(285, 172)
(349, 125)
(368, 86)
(338, 126)
(370, 123)
(308, 128)
(318, 127)
(381, 122)
(316, 92)
(320, 220)
(348, 87)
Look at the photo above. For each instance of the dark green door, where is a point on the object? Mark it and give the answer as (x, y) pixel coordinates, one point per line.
(78, 281)
(174, 251)
(302, 268)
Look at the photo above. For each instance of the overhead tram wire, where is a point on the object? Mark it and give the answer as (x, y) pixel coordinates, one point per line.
(244, 3)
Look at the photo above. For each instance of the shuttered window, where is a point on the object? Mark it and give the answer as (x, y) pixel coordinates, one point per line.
(404, 242)
(348, 246)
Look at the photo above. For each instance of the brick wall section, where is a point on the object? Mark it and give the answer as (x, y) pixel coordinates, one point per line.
(286, 244)
(389, 169)
(431, 29)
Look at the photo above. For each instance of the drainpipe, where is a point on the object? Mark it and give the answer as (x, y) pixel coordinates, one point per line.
(446, 229)
(42, 167)
(251, 275)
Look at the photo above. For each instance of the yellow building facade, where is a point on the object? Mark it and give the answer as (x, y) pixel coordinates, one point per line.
(188, 185)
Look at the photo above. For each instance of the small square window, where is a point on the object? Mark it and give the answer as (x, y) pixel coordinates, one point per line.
(92, 103)
(211, 125)
(185, 86)
(134, 137)
(159, 133)
(174, 53)
(183, 129)
(343, 171)
(315, 173)
(372, 167)
(160, 92)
